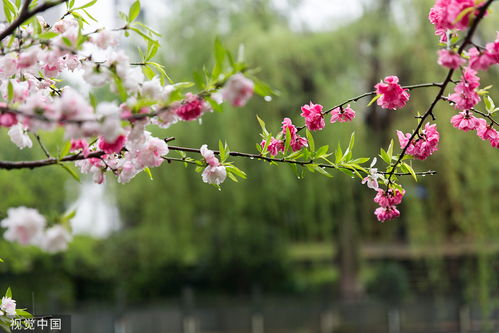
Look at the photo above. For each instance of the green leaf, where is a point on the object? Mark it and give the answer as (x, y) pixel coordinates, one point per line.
(261, 88)
(262, 125)
(48, 35)
(71, 172)
(231, 169)
(374, 100)
(311, 143)
(69, 216)
(23, 313)
(348, 153)
(88, 4)
(489, 104)
(9, 10)
(214, 104)
(10, 91)
(8, 293)
(463, 13)
(219, 59)
(149, 173)
(65, 150)
(390, 150)
(338, 154)
(321, 171)
(361, 160)
(407, 168)
(322, 151)
(134, 11)
(287, 143)
(385, 157)
(161, 70)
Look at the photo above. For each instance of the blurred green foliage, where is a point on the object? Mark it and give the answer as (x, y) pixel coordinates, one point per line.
(178, 231)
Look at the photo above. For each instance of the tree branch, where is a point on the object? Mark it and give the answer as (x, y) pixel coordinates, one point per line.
(25, 14)
(445, 83)
(8, 165)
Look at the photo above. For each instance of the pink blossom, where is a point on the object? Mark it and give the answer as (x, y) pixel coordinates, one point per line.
(487, 133)
(275, 146)
(214, 175)
(342, 114)
(313, 116)
(450, 59)
(28, 58)
(371, 181)
(191, 108)
(56, 239)
(71, 105)
(209, 156)
(372, 178)
(297, 142)
(238, 90)
(80, 144)
(492, 49)
(444, 13)
(465, 95)
(112, 147)
(8, 306)
(8, 66)
(104, 39)
(480, 60)
(425, 144)
(24, 225)
(18, 135)
(386, 213)
(393, 96)
(389, 198)
(151, 154)
(465, 121)
(53, 69)
(127, 171)
(8, 119)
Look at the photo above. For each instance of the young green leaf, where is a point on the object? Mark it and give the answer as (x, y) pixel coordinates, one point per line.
(134, 11)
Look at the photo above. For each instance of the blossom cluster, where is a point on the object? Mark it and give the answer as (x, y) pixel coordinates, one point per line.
(121, 143)
(27, 227)
(391, 95)
(387, 201)
(451, 15)
(8, 307)
(454, 15)
(296, 142)
(424, 145)
(214, 173)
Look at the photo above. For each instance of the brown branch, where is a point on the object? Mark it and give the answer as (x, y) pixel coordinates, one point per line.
(7, 165)
(373, 93)
(25, 14)
(445, 83)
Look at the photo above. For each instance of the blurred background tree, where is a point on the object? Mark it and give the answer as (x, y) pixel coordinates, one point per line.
(274, 232)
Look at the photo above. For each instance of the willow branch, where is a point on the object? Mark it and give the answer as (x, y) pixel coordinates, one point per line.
(445, 83)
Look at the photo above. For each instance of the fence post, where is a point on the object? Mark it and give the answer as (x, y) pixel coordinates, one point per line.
(328, 321)
(464, 319)
(257, 323)
(393, 321)
(188, 320)
(257, 319)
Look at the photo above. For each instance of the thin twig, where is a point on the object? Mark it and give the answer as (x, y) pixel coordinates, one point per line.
(440, 93)
(25, 14)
